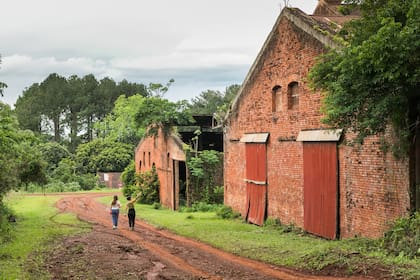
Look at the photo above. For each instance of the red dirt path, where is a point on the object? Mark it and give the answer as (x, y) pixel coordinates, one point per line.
(147, 252)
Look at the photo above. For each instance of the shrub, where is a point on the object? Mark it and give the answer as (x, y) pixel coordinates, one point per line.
(87, 181)
(157, 205)
(5, 227)
(226, 212)
(128, 176)
(130, 190)
(404, 236)
(148, 183)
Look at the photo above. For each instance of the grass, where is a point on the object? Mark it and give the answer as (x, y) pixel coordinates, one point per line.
(38, 224)
(279, 245)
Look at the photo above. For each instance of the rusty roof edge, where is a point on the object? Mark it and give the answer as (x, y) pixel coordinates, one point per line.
(303, 25)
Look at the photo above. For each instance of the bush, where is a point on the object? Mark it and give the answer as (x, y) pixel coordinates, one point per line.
(157, 206)
(148, 183)
(87, 181)
(130, 190)
(5, 227)
(404, 237)
(128, 176)
(226, 212)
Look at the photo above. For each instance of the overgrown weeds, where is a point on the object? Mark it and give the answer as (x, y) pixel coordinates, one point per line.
(403, 239)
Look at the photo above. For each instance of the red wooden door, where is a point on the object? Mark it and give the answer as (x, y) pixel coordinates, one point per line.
(320, 188)
(256, 182)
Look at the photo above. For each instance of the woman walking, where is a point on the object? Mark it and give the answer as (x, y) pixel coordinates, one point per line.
(115, 211)
(131, 211)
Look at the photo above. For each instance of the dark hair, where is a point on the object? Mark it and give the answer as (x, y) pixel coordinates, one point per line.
(114, 201)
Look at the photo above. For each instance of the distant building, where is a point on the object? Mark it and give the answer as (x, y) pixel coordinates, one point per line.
(110, 179)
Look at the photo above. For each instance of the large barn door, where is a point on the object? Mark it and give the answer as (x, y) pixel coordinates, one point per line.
(320, 188)
(256, 182)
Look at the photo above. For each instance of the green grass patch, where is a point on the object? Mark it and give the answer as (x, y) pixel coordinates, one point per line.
(279, 244)
(38, 225)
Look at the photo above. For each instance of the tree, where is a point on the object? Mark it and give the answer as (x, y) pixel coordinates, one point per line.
(53, 153)
(21, 163)
(214, 102)
(28, 109)
(373, 81)
(2, 85)
(211, 101)
(158, 113)
(54, 89)
(120, 125)
(103, 155)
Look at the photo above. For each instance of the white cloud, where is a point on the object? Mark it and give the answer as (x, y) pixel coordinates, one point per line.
(201, 44)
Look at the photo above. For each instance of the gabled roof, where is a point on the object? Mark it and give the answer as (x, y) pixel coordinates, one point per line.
(319, 27)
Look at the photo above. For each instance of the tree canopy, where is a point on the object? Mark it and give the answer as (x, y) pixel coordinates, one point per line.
(67, 109)
(374, 79)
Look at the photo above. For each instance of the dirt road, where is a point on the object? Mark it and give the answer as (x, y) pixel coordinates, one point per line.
(147, 252)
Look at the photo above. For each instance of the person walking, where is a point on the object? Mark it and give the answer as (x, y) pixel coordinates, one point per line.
(115, 211)
(131, 211)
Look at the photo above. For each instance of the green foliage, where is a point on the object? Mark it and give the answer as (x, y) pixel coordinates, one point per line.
(157, 205)
(128, 176)
(120, 125)
(72, 105)
(5, 226)
(130, 190)
(211, 102)
(373, 80)
(226, 212)
(148, 184)
(204, 167)
(21, 162)
(103, 155)
(403, 239)
(53, 153)
(156, 113)
(65, 171)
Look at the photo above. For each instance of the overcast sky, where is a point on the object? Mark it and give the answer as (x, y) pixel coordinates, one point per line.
(202, 44)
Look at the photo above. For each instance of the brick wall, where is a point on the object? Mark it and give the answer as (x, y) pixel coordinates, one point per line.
(160, 151)
(373, 186)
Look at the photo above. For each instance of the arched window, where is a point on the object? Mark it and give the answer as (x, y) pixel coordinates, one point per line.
(140, 166)
(276, 98)
(144, 157)
(293, 95)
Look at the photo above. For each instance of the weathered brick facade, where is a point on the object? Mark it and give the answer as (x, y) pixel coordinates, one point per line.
(372, 185)
(167, 155)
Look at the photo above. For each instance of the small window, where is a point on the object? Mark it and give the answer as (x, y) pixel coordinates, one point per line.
(168, 161)
(276, 98)
(149, 158)
(139, 166)
(144, 157)
(293, 95)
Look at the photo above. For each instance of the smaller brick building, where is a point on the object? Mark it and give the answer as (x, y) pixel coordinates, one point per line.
(166, 153)
(282, 162)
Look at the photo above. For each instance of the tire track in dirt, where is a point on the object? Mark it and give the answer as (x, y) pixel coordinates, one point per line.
(195, 258)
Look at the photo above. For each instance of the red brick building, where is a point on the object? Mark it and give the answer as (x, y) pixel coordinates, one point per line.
(282, 162)
(167, 154)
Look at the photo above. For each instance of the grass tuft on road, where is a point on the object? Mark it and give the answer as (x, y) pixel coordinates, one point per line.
(38, 224)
